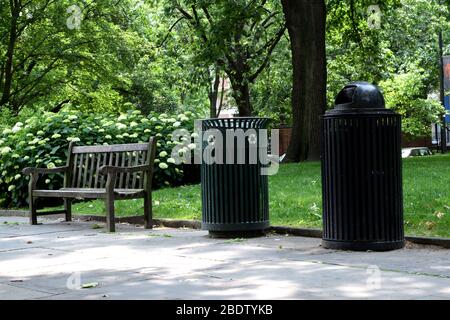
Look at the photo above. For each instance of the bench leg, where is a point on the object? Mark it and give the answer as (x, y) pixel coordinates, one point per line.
(68, 208)
(33, 211)
(109, 206)
(148, 212)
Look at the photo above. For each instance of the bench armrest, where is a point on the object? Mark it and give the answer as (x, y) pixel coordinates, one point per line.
(113, 169)
(29, 170)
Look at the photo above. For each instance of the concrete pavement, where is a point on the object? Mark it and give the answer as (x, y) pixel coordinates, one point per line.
(52, 261)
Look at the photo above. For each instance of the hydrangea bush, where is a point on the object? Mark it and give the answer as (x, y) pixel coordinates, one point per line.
(42, 141)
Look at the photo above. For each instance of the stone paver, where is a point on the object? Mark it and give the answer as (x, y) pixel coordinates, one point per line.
(51, 260)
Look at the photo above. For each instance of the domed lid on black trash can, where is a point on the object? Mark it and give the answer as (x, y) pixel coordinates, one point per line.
(359, 97)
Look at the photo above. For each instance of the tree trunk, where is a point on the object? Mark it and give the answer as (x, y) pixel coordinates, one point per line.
(15, 11)
(241, 94)
(213, 93)
(305, 21)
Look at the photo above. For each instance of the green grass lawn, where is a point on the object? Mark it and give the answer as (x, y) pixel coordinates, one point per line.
(295, 198)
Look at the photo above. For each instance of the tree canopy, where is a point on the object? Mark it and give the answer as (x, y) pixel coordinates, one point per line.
(115, 55)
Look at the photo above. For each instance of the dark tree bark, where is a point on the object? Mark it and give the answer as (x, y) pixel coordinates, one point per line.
(241, 94)
(305, 21)
(213, 94)
(8, 71)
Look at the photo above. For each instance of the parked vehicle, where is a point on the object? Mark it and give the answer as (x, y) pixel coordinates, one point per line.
(416, 152)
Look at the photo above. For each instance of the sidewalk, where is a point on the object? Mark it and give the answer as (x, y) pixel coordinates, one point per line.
(37, 261)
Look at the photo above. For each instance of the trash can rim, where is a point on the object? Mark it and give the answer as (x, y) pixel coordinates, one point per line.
(237, 118)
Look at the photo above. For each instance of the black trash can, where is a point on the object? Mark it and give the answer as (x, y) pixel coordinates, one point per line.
(235, 198)
(362, 172)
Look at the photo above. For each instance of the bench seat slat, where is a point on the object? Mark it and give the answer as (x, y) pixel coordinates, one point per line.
(88, 193)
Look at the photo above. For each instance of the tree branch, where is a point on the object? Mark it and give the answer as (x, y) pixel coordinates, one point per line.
(274, 43)
(168, 32)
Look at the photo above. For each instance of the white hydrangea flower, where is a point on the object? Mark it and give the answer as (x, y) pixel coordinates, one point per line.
(176, 124)
(51, 165)
(192, 146)
(134, 135)
(74, 139)
(11, 187)
(163, 154)
(34, 141)
(5, 150)
(108, 136)
(16, 128)
(26, 158)
(56, 136)
(7, 131)
(125, 134)
(17, 176)
(163, 165)
(47, 181)
(194, 135)
(171, 160)
(72, 117)
(121, 126)
(147, 130)
(133, 124)
(122, 117)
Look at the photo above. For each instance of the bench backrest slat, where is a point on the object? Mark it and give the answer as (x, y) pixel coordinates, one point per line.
(87, 160)
(111, 148)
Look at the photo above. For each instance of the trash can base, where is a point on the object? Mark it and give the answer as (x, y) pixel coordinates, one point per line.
(236, 227)
(236, 234)
(363, 246)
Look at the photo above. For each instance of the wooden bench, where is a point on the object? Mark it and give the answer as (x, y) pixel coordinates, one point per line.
(109, 172)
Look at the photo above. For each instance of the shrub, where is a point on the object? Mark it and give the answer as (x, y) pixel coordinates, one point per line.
(405, 93)
(42, 141)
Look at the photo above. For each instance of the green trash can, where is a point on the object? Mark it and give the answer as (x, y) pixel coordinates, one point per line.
(235, 200)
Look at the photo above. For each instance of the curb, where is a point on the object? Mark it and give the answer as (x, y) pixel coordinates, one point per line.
(168, 223)
(194, 224)
(301, 232)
